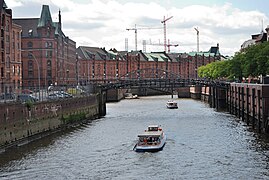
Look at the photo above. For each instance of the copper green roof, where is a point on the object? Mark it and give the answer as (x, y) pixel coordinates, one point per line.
(160, 57)
(4, 5)
(45, 17)
(206, 54)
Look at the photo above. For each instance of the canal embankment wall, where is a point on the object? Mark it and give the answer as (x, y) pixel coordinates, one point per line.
(20, 123)
(249, 102)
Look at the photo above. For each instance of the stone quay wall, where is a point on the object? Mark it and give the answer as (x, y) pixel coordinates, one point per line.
(19, 122)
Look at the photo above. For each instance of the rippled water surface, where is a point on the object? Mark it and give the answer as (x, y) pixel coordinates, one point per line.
(201, 144)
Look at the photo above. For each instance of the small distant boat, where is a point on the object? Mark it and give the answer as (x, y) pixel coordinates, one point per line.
(171, 104)
(130, 96)
(152, 140)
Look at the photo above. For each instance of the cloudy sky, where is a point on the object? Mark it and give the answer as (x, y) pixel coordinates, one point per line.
(103, 23)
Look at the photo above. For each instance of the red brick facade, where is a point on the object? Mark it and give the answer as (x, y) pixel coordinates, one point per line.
(101, 65)
(48, 56)
(10, 59)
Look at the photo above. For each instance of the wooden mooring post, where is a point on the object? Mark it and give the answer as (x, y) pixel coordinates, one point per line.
(250, 103)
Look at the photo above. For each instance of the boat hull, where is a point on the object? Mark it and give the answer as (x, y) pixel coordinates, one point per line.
(151, 148)
(172, 107)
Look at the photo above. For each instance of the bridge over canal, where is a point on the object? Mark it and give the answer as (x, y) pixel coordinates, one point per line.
(249, 102)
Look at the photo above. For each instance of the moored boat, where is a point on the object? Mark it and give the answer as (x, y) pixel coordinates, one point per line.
(171, 104)
(130, 96)
(152, 140)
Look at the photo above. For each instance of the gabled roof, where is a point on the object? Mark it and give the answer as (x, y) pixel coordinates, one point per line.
(3, 4)
(27, 25)
(174, 56)
(141, 54)
(86, 52)
(214, 50)
(32, 24)
(157, 56)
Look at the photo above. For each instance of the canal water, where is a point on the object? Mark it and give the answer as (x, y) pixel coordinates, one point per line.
(201, 144)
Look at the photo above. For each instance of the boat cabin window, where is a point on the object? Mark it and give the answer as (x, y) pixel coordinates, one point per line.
(152, 128)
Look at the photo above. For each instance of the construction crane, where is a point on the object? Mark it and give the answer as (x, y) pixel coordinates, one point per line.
(135, 30)
(158, 44)
(197, 32)
(164, 30)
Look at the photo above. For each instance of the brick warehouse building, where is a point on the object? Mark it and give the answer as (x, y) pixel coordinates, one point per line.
(101, 64)
(48, 56)
(10, 63)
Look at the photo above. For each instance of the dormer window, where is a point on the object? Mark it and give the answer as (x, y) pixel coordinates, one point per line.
(30, 32)
(48, 31)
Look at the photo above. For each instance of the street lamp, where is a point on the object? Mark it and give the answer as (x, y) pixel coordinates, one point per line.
(37, 70)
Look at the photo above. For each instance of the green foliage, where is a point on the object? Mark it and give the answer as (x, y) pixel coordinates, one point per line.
(74, 118)
(251, 62)
(29, 105)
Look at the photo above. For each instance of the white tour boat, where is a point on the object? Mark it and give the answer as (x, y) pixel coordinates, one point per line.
(152, 140)
(171, 104)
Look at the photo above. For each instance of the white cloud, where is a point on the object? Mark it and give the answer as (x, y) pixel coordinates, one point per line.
(104, 23)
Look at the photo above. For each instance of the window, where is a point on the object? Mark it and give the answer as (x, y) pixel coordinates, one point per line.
(30, 55)
(7, 26)
(3, 20)
(2, 55)
(2, 33)
(2, 72)
(49, 73)
(13, 70)
(30, 44)
(30, 33)
(18, 70)
(8, 62)
(48, 32)
(30, 65)
(49, 64)
(48, 45)
(48, 54)
(30, 69)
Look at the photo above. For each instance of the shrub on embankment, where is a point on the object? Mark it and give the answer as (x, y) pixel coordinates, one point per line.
(73, 118)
